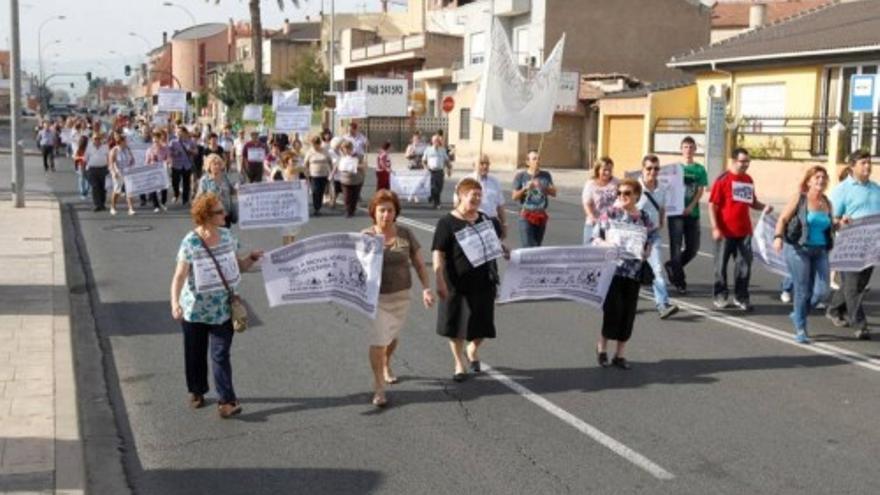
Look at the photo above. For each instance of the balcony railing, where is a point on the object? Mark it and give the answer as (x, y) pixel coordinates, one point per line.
(389, 47)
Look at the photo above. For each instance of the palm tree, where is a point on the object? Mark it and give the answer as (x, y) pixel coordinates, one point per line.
(257, 43)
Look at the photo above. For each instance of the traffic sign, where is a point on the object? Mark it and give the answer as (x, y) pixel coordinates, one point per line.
(862, 92)
(448, 104)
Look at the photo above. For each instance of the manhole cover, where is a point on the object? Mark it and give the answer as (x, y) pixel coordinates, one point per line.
(128, 229)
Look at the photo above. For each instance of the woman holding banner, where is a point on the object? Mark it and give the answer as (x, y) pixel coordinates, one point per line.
(401, 252)
(467, 293)
(158, 155)
(215, 181)
(121, 159)
(318, 163)
(619, 309)
(351, 171)
(599, 194)
(203, 307)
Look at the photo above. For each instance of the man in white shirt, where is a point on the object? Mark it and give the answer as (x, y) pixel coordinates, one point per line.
(46, 139)
(357, 138)
(492, 202)
(653, 203)
(97, 160)
(436, 160)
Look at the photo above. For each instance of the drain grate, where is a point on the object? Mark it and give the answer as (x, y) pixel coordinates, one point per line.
(128, 229)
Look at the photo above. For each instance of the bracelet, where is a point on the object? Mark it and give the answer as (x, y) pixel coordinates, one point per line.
(778, 236)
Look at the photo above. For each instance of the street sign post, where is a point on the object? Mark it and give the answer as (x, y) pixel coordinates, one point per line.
(862, 91)
(716, 133)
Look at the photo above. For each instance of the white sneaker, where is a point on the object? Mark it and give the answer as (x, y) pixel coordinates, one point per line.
(785, 297)
(130, 212)
(113, 211)
(156, 210)
(721, 302)
(164, 208)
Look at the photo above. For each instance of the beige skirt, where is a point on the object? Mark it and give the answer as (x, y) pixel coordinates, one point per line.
(390, 317)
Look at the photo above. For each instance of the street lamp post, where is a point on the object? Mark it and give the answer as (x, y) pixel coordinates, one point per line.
(40, 50)
(15, 75)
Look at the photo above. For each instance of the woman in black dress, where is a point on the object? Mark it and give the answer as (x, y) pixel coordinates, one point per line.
(467, 293)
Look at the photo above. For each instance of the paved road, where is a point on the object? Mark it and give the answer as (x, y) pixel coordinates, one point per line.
(714, 404)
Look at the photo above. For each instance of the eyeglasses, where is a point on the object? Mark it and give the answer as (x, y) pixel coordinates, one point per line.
(652, 169)
(218, 212)
(624, 193)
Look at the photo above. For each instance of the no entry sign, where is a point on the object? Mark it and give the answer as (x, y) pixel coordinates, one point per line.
(448, 104)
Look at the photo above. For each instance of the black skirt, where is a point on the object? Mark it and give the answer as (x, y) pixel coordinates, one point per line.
(619, 310)
(468, 316)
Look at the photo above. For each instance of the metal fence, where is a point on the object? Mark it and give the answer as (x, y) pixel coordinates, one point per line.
(398, 130)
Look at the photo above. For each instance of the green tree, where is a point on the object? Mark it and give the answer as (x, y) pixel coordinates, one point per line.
(308, 75)
(235, 91)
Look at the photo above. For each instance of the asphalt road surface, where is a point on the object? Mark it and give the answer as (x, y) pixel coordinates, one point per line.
(716, 402)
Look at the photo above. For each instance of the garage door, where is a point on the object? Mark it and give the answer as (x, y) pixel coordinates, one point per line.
(624, 137)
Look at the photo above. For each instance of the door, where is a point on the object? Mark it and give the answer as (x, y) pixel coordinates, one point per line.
(624, 138)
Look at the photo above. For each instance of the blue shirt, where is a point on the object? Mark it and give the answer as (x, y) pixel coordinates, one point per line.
(854, 199)
(819, 222)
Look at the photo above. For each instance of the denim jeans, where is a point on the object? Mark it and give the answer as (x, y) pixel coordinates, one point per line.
(809, 274)
(819, 294)
(180, 184)
(436, 186)
(319, 184)
(661, 293)
(847, 301)
(196, 337)
(741, 249)
(48, 157)
(684, 230)
(531, 235)
(97, 178)
(588, 234)
(82, 183)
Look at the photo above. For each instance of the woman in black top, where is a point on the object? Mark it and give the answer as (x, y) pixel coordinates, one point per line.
(467, 294)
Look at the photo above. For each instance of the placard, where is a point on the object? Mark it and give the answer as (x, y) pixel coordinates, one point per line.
(351, 105)
(204, 269)
(567, 95)
(480, 243)
(411, 186)
(743, 192)
(139, 151)
(171, 100)
(256, 154)
(575, 273)
(341, 268)
(857, 246)
(629, 238)
(252, 113)
(272, 204)
(285, 100)
(145, 179)
(159, 119)
(671, 177)
(762, 245)
(386, 97)
(294, 119)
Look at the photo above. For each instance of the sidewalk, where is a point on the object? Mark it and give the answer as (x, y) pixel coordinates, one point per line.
(40, 444)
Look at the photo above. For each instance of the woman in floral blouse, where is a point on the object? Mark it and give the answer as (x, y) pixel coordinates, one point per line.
(619, 310)
(217, 182)
(202, 304)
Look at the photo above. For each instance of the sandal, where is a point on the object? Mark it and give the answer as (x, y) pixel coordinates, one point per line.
(228, 409)
(196, 401)
(379, 400)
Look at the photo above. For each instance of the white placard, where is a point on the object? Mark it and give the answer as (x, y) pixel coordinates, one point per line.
(629, 238)
(171, 100)
(139, 151)
(743, 192)
(348, 164)
(285, 100)
(857, 246)
(672, 178)
(577, 273)
(762, 245)
(341, 268)
(411, 186)
(272, 204)
(256, 154)
(386, 97)
(351, 105)
(205, 271)
(294, 119)
(146, 179)
(67, 136)
(252, 113)
(159, 119)
(479, 242)
(567, 97)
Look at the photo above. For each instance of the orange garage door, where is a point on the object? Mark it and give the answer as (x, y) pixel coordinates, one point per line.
(623, 138)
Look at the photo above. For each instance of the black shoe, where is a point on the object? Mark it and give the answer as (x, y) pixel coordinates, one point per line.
(475, 367)
(863, 334)
(459, 377)
(621, 363)
(602, 358)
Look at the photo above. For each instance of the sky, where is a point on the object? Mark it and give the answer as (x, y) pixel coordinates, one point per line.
(94, 36)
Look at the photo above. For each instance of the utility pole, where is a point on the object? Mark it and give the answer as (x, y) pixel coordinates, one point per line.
(333, 62)
(15, 76)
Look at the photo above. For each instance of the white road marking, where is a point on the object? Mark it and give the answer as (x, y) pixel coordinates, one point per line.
(587, 429)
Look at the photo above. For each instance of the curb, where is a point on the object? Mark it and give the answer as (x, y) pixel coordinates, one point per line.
(8, 151)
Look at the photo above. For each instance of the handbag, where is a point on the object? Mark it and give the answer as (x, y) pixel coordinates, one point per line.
(236, 303)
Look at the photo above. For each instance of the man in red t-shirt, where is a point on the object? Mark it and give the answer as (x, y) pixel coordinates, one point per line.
(732, 196)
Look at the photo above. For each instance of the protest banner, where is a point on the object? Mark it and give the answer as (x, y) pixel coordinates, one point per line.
(351, 105)
(629, 238)
(252, 113)
(508, 99)
(145, 179)
(171, 100)
(762, 245)
(139, 151)
(577, 273)
(272, 204)
(341, 268)
(480, 243)
(285, 100)
(159, 119)
(294, 119)
(857, 246)
(67, 136)
(671, 178)
(386, 97)
(411, 185)
(205, 272)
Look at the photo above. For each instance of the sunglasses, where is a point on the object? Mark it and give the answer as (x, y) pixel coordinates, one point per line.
(652, 169)
(624, 193)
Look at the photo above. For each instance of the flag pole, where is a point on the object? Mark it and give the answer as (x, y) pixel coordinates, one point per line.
(541, 143)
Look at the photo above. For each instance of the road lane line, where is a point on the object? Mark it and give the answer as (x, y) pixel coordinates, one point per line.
(773, 333)
(582, 426)
(587, 429)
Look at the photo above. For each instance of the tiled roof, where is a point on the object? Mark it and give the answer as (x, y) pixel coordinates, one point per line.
(200, 31)
(838, 27)
(736, 14)
(300, 31)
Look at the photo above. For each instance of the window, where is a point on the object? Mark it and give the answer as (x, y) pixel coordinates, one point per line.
(464, 125)
(762, 100)
(497, 133)
(521, 45)
(477, 48)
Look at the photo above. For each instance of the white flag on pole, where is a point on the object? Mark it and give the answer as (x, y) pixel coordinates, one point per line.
(510, 100)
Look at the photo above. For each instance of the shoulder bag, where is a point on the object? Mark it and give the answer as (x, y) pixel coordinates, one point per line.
(236, 303)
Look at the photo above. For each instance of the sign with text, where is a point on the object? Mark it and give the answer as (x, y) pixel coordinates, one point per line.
(272, 204)
(762, 245)
(567, 96)
(252, 113)
(857, 246)
(480, 243)
(294, 119)
(171, 100)
(862, 92)
(351, 105)
(284, 100)
(144, 180)
(386, 97)
(412, 186)
(205, 273)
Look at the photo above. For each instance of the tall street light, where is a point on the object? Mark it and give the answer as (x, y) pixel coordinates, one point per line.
(15, 104)
(40, 50)
(195, 42)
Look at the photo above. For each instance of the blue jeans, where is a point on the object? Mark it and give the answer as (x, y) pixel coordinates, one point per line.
(819, 294)
(661, 293)
(82, 183)
(195, 346)
(531, 235)
(809, 273)
(588, 234)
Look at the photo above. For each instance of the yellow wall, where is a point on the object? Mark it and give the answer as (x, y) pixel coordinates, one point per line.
(802, 87)
(611, 107)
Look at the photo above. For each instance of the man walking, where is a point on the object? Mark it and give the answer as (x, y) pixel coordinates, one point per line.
(732, 196)
(46, 139)
(436, 160)
(252, 155)
(492, 202)
(684, 229)
(856, 197)
(532, 188)
(183, 150)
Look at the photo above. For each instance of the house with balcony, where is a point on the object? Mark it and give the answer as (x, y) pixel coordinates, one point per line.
(630, 37)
